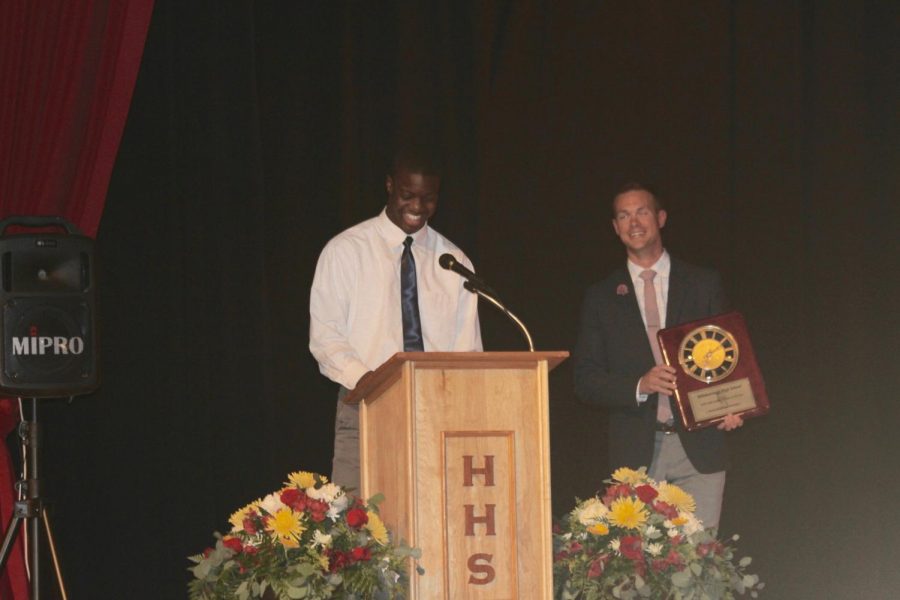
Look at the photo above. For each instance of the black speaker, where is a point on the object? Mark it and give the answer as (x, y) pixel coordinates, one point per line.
(48, 326)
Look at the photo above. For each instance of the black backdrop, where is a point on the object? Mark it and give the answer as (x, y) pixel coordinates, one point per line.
(258, 131)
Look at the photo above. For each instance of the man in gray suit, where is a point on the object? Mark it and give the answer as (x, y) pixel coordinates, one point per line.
(617, 366)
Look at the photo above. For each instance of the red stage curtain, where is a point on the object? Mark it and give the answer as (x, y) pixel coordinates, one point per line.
(67, 71)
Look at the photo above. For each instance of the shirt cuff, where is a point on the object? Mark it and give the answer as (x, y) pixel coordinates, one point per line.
(351, 375)
(641, 398)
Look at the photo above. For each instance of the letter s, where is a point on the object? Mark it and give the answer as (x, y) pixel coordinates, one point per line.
(484, 568)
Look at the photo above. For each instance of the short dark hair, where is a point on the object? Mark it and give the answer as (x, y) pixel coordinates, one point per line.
(635, 186)
(426, 159)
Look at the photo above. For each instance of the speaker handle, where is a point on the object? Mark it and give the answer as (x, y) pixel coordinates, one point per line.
(45, 221)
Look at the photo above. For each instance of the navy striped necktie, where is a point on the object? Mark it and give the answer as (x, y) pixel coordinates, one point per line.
(409, 300)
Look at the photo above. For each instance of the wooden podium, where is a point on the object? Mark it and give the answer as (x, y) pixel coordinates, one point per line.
(458, 442)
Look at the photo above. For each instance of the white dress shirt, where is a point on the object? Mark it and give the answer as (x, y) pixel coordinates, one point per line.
(354, 305)
(663, 267)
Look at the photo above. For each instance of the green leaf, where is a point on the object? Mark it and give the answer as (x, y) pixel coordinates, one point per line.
(201, 571)
(297, 592)
(681, 578)
(745, 562)
(243, 591)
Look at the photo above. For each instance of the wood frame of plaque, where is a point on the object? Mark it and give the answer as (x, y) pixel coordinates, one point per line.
(716, 372)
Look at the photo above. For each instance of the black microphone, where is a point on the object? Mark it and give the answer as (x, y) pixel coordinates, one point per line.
(449, 262)
(473, 281)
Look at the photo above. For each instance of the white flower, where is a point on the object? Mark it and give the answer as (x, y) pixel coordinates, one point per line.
(326, 493)
(272, 503)
(673, 532)
(654, 549)
(321, 539)
(337, 506)
(651, 532)
(693, 524)
(614, 545)
(591, 511)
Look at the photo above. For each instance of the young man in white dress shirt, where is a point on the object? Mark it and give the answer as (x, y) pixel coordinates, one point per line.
(355, 301)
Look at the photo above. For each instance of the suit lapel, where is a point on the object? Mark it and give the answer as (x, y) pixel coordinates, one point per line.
(677, 290)
(628, 302)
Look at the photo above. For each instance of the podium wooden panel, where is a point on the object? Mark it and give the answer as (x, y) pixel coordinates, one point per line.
(458, 442)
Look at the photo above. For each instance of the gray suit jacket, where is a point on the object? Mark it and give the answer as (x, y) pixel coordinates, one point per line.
(613, 352)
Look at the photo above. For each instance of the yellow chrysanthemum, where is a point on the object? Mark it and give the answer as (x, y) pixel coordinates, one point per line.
(679, 521)
(302, 479)
(323, 562)
(598, 529)
(627, 512)
(237, 517)
(376, 527)
(626, 475)
(286, 527)
(677, 497)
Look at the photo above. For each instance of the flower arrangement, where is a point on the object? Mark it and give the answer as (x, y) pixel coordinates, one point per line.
(308, 540)
(642, 540)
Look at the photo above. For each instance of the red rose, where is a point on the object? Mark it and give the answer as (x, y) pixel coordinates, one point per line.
(710, 548)
(597, 566)
(356, 518)
(360, 553)
(337, 560)
(674, 559)
(318, 510)
(665, 509)
(249, 525)
(659, 565)
(646, 493)
(233, 544)
(616, 491)
(630, 547)
(290, 496)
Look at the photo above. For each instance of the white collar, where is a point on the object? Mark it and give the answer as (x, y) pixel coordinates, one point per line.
(662, 266)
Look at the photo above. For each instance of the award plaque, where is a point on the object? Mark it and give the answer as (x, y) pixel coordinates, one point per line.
(716, 372)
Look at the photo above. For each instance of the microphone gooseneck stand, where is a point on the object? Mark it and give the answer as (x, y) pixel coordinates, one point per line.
(496, 302)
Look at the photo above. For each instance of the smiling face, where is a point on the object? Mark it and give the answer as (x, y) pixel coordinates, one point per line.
(412, 199)
(637, 221)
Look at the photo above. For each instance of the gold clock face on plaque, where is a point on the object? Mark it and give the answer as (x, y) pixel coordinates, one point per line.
(708, 353)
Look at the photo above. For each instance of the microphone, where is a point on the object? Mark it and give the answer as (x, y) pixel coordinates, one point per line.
(476, 285)
(449, 262)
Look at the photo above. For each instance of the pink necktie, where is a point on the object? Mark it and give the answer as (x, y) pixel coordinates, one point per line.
(651, 315)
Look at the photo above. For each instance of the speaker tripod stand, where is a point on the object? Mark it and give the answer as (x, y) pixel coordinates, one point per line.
(30, 507)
